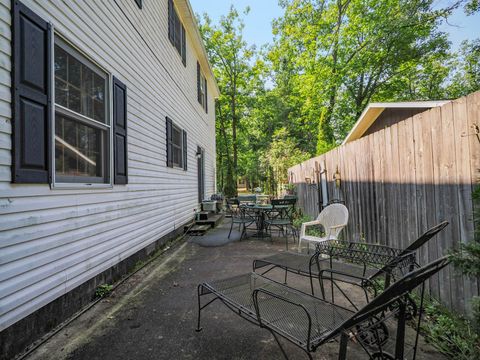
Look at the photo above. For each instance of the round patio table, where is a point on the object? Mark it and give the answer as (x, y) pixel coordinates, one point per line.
(260, 213)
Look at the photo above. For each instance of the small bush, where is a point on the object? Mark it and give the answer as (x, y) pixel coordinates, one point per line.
(103, 290)
(451, 334)
(299, 218)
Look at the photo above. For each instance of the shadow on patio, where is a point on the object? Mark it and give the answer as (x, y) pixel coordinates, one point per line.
(153, 314)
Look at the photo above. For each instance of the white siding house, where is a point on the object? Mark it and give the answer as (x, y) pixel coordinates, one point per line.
(59, 233)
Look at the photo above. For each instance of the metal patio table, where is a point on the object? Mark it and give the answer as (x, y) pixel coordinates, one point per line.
(260, 211)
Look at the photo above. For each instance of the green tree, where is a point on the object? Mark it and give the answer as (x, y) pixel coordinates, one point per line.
(342, 54)
(466, 77)
(230, 57)
(281, 155)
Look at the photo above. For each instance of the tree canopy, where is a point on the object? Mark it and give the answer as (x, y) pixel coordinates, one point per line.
(299, 96)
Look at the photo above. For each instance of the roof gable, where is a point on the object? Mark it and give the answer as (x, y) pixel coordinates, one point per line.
(373, 110)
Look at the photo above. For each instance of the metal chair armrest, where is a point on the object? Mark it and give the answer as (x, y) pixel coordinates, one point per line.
(365, 281)
(288, 301)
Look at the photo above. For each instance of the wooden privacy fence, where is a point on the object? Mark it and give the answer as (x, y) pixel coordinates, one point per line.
(402, 180)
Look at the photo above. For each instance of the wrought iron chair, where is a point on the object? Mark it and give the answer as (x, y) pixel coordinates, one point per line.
(232, 206)
(364, 265)
(309, 322)
(239, 216)
(360, 264)
(247, 199)
(333, 219)
(281, 217)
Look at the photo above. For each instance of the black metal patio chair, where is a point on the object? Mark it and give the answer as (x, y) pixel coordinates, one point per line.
(241, 217)
(360, 264)
(309, 322)
(281, 217)
(367, 265)
(232, 206)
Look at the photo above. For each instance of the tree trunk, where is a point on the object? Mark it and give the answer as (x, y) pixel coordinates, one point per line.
(234, 131)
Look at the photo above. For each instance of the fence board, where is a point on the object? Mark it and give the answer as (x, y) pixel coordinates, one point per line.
(404, 179)
(411, 229)
(448, 174)
(473, 124)
(464, 181)
(424, 194)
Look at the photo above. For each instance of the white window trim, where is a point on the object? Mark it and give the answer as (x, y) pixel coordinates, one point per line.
(74, 186)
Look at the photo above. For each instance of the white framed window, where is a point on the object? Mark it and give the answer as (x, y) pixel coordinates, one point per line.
(177, 146)
(82, 125)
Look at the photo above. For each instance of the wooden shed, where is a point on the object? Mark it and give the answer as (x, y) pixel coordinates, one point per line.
(378, 116)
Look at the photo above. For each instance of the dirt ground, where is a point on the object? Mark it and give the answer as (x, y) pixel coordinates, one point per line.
(153, 314)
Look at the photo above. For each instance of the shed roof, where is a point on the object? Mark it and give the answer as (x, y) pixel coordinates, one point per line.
(373, 111)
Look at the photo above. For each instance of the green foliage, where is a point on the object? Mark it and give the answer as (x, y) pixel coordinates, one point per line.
(466, 76)
(282, 154)
(467, 256)
(472, 6)
(289, 187)
(103, 290)
(450, 333)
(300, 96)
(325, 140)
(336, 56)
(299, 218)
(231, 59)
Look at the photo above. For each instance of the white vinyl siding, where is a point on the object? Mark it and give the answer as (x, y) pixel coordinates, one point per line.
(54, 240)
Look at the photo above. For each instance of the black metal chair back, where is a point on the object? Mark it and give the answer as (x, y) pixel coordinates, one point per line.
(395, 292)
(288, 202)
(284, 207)
(430, 233)
(410, 250)
(233, 206)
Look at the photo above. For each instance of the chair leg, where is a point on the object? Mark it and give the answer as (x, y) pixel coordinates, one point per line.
(199, 328)
(342, 353)
(279, 344)
(244, 232)
(231, 227)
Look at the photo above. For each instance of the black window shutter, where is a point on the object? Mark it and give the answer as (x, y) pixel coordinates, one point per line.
(199, 95)
(171, 22)
(178, 32)
(169, 143)
(185, 154)
(206, 97)
(120, 132)
(31, 95)
(184, 47)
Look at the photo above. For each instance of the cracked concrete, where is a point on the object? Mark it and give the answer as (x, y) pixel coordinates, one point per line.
(153, 314)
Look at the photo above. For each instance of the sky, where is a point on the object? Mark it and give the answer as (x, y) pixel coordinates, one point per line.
(258, 29)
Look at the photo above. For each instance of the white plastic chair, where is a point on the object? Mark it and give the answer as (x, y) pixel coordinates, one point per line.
(333, 219)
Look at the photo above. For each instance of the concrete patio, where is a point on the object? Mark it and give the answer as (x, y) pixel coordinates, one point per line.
(153, 314)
